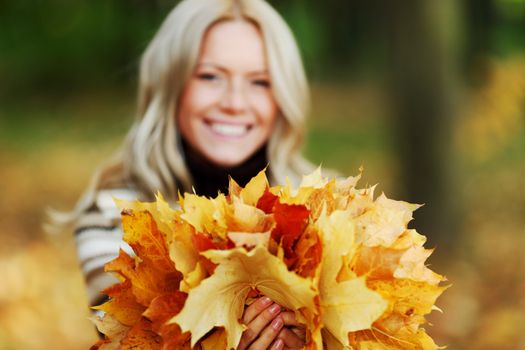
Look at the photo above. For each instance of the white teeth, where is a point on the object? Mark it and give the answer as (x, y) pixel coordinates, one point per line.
(229, 130)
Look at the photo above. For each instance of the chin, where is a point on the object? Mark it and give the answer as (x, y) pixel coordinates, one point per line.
(227, 161)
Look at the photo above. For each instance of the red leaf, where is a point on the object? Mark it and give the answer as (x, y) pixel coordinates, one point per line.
(202, 242)
(267, 201)
(291, 220)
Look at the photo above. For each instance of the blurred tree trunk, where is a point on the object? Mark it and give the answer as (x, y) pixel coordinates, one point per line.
(480, 24)
(421, 84)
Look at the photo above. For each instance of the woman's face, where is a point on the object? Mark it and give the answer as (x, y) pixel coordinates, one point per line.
(227, 110)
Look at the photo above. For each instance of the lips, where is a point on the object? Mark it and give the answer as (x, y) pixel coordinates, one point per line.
(228, 129)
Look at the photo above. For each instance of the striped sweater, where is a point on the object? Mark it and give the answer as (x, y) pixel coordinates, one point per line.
(98, 235)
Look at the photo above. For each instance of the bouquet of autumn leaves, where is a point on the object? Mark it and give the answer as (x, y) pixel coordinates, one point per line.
(344, 262)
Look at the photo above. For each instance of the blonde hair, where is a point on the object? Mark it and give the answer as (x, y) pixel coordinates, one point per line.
(151, 158)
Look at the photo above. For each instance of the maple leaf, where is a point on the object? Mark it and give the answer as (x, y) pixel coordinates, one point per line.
(113, 330)
(142, 234)
(409, 238)
(254, 189)
(308, 253)
(181, 243)
(249, 240)
(247, 218)
(267, 201)
(348, 305)
(147, 282)
(376, 339)
(385, 221)
(377, 262)
(141, 336)
(162, 309)
(160, 210)
(123, 304)
(291, 220)
(206, 215)
(412, 266)
(152, 273)
(216, 340)
(222, 296)
(409, 297)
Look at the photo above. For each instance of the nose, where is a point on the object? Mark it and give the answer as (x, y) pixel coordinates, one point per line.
(234, 99)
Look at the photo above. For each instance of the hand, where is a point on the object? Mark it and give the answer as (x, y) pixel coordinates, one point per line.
(270, 328)
(264, 324)
(293, 333)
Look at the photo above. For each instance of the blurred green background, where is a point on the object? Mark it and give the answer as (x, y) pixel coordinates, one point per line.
(427, 95)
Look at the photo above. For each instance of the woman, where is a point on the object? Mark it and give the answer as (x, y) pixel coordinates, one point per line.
(222, 91)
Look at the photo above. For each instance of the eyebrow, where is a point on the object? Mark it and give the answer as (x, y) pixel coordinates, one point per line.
(225, 70)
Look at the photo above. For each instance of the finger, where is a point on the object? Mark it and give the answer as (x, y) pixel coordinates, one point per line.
(255, 309)
(290, 320)
(292, 324)
(291, 340)
(268, 335)
(258, 324)
(278, 344)
(299, 331)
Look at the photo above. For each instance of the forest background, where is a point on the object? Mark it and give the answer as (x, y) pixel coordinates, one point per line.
(428, 96)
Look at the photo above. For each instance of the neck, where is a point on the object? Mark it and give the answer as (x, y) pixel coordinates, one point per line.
(209, 178)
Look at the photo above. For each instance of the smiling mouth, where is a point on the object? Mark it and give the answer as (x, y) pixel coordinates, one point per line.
(229, 130)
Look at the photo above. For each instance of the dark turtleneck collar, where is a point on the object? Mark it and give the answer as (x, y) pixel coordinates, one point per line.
(209, 179)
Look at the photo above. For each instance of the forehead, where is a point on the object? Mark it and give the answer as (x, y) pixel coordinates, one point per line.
(234, 44)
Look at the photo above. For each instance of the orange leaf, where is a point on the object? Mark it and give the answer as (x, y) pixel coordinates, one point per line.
(147, 281)
(308, 252)
(160, 311)
(141, 336)
(142, 234)
(122, 305)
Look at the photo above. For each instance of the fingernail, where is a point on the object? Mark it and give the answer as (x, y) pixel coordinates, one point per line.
(279, 344)
(266, 301)
(277, 323)
(274, 309)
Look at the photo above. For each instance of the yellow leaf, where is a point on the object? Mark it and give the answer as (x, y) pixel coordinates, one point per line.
(375, 339)
(348, 305)
(222, 296)
(385, 221)
(160, 210)
(181, 249)
(330, 342)
(113, 329)
(242, 217)
(193, 278)
(408, 239)
(412, 266)
(409, 297)
(206, 215)
(314, 180)
(255, 188)
(249, 240)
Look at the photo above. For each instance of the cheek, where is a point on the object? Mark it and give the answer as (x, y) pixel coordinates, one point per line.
(195, 100)
(266, 108)
(192, 104)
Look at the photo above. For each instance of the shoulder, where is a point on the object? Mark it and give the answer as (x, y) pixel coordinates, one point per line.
(103, 213)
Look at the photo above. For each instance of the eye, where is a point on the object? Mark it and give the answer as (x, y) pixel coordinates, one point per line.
(261, 82)
(207, 76)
